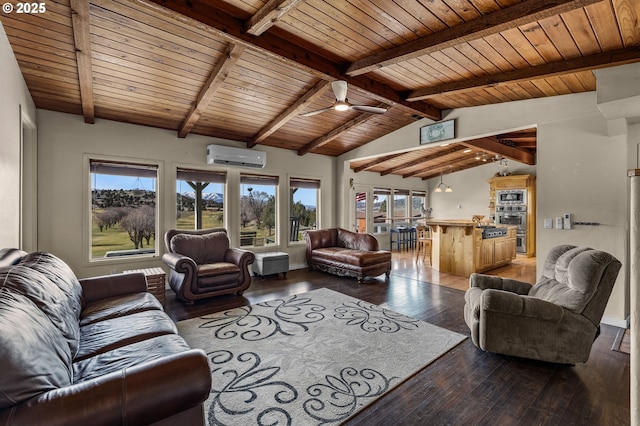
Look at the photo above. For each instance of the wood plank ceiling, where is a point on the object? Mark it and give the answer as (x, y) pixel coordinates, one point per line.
(247, 69)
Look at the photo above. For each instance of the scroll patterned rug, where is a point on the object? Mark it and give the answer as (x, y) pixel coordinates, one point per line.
(315, 358)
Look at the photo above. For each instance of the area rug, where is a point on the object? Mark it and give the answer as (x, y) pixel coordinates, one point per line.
(315, 358)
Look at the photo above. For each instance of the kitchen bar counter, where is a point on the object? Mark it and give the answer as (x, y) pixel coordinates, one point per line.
(460, 249)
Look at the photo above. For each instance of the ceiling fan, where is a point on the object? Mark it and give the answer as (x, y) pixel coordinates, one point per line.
(341, 104)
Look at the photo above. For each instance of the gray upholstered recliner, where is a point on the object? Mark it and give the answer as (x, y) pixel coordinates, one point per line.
(201, 264)
(555, 320)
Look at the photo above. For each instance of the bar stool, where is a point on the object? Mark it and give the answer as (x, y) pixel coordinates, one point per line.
(423, 242)
(403, 237)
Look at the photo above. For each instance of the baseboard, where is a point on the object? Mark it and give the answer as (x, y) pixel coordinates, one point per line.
(616, 322)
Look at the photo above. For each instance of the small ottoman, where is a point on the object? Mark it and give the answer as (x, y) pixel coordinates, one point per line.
(269, 263)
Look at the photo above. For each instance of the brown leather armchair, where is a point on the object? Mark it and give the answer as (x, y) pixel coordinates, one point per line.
(203, 265)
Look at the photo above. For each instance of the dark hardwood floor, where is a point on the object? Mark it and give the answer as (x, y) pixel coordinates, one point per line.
(465, 386)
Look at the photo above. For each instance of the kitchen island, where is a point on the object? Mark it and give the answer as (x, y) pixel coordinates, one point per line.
(461, 247)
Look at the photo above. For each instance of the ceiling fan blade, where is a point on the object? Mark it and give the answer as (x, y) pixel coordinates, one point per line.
(340, 90)
(318, 111)
(370, 109)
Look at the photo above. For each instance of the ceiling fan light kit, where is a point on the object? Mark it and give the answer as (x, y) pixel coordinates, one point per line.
(339, 88)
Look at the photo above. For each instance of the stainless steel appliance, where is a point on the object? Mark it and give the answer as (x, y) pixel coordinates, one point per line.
(511, 197)
(514, 215)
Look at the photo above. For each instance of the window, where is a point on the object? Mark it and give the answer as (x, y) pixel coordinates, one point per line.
(200, 199)
(258, 207)
(123, 209)
(400, 213)
(381, 209)
(418, 200)
(303, 202)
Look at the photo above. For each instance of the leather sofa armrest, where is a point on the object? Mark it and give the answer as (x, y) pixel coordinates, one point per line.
(505, 302)
(102, 287)
(180, 263)
(484, 282)
(141, 394)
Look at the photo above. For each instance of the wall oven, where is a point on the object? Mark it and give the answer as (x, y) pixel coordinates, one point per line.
(514, 216)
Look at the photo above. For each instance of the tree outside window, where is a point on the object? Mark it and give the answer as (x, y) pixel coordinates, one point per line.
(381, 209)
(200, 198)
(123, 209)
(303, 206)
(258, 207)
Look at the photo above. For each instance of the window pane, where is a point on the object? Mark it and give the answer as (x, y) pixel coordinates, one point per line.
(418, 199)
(400, 207)
(258, 206)
(303, 204)
(381, 203)
(123, 209)
(200, 199)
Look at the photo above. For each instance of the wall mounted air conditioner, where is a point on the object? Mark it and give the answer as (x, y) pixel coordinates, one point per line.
(229, 156)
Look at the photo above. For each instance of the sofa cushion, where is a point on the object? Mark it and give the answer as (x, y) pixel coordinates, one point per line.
(206, 248)
(119, 306)
(58, 273)
(35, 356)
(352, 257)
(47, 296)
(107, 335)
(128, 356)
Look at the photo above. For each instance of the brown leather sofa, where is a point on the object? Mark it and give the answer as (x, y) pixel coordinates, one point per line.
(202, 264)
(96, 351)
(346, 253)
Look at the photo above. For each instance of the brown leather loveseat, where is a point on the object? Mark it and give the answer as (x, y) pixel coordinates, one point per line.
(346, 253)
(96, 351)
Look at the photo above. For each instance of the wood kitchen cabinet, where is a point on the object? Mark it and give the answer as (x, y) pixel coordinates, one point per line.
(527, 182)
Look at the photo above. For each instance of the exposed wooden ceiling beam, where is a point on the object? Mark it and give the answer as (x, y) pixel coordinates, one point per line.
(440, 171)
(222, 25)
(491, 144)
(514, 16)
(216, 78)
(377, 161)
(269, 14)
(584, 63)
(335, 133)
(412, 163)
(294, 110)
(82, 38)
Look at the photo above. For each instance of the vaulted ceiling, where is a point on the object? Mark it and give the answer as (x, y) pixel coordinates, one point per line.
(248, 70)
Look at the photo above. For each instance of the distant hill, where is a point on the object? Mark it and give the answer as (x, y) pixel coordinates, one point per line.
(215, 197)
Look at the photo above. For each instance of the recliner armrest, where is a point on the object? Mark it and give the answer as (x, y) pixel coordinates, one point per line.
(141, 394)
(102, 287)
(483, 282)
(505, 302)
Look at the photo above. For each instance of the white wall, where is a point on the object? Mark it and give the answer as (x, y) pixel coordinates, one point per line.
(15, 98)
(65, 142)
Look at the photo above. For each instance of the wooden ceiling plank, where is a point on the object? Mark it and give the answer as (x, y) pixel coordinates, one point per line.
(291, 112)
(451, 150)
(217, 77)
(517, 15)
(221, 24)
(585, 63)
(82, 40)
(269, 14)
(335, 133)
(376, 161)
(491, 144)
